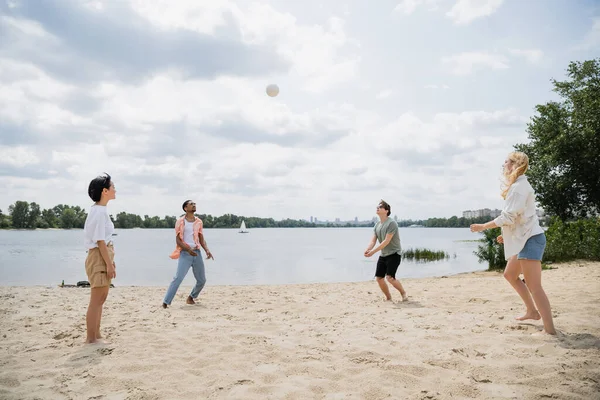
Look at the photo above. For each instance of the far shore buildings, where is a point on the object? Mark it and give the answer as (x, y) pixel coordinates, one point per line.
(486, 212)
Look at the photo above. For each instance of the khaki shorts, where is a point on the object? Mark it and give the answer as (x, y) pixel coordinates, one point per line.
(95, 267)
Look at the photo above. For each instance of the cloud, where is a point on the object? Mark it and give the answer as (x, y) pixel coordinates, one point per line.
(408, 7)
(446, 132)
(118, 44)
(435, 87)
(384, 94)
(469, 62)
(466, 11)
(322, 55)
(533, 56)
(592, 38)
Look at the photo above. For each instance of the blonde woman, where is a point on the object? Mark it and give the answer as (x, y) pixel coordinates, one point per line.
(524, 240)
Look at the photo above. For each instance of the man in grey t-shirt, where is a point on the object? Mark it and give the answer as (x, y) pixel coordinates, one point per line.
(386, 232)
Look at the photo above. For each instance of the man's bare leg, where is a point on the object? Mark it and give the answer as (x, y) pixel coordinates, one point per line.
(511, 274)
(384, 288)
(396, 283)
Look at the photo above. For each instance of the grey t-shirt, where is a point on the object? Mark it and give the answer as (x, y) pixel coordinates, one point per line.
(381, 230)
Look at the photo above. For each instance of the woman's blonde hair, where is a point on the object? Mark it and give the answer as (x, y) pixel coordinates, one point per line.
(521, 165)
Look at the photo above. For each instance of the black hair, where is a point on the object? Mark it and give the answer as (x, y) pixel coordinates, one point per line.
(386, 207)
(97, 185)
(185, 203)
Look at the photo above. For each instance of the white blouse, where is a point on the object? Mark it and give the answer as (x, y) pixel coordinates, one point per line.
(518, 219)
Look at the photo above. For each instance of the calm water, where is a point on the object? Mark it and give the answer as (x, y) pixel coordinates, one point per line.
(263, 256)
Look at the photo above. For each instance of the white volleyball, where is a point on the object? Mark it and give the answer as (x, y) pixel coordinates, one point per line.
(272, 90)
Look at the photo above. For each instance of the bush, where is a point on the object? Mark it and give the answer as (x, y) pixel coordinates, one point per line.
(566, 241)
(575, 240)
(491, 251)
(424, 255)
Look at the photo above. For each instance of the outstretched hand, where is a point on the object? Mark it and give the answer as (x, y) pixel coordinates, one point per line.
(477, 228)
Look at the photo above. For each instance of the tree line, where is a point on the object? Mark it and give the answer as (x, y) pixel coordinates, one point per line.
(25, 215)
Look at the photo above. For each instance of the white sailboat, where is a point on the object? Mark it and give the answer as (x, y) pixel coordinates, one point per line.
(243, 228)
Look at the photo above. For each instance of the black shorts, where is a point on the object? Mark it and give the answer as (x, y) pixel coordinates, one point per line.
(388, 265)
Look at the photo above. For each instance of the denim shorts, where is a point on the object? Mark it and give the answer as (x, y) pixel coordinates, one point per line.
(534, 248)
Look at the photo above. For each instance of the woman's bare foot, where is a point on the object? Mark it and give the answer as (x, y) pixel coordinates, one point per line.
(529, 315)
(404, 297)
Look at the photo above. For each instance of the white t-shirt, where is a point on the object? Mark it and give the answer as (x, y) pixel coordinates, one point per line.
(98, 226)
(188, 234)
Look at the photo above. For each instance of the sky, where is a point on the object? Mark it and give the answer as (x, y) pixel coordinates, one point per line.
(416, 102)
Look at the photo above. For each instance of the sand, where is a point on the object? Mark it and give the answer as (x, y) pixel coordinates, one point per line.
(456, 339)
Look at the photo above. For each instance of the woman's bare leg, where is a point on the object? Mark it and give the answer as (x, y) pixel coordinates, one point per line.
(511, 274)
(98, 335)
(532, 270)
(94, 313)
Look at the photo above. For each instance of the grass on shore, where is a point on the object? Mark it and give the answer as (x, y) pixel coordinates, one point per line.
(425, 255)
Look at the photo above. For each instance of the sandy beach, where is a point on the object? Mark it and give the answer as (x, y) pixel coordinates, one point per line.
(456, 338)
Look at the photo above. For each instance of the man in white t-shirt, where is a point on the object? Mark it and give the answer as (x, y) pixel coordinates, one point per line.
(99, 264)
(189, 238)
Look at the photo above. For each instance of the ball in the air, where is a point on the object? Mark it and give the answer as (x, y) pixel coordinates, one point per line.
(272, 90)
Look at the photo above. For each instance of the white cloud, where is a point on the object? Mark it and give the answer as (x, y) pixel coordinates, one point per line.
(25, 27)
(408, 7)
(322, 55)
(203, 17)
(592, 38)
(435, 87)
(466, 11)
(445, 130)
(384, 94)
(533, 56)
(469, 62)
(19, 156)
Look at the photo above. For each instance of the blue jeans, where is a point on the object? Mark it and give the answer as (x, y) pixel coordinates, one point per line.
(185, 262)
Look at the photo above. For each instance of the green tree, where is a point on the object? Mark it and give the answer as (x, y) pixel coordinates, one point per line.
(49, 218)
(80, 216)
(19, 213)
(5, 221)
(564, 145)
(34, 215)
(68, 219)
